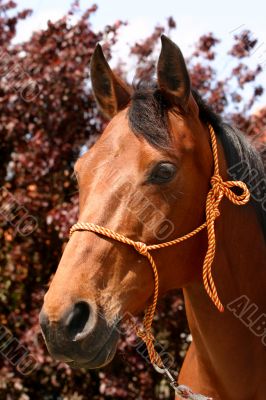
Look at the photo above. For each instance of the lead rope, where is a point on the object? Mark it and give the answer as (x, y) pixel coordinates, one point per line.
(219, 189)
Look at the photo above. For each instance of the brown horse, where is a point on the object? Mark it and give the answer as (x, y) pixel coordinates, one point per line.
(147, 178)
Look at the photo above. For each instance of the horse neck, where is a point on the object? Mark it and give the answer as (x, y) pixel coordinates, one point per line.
(238, 270)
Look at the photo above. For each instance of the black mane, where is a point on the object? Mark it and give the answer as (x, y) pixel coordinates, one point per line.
(148, 114)
(148, 117)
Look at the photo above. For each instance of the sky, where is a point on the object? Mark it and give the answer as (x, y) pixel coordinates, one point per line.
(194, 18)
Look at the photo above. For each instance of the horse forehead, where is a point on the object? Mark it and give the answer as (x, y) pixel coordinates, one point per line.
(116, 145)
(118, 135)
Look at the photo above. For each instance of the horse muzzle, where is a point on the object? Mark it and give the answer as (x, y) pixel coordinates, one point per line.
(81, 338)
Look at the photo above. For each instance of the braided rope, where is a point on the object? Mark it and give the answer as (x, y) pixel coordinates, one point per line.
(219, 189)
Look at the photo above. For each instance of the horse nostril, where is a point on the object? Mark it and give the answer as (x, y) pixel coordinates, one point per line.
(77, 319)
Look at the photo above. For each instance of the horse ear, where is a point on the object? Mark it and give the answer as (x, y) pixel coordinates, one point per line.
(111, 93)
(172, 74)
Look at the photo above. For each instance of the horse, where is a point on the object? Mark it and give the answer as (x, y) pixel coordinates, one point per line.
(146, 181)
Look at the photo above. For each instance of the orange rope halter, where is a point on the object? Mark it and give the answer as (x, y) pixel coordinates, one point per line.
(219, 188)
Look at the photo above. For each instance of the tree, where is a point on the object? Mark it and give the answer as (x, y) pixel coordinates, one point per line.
(47, 116)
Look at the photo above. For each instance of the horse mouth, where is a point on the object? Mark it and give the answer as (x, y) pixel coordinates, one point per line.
(101, 357)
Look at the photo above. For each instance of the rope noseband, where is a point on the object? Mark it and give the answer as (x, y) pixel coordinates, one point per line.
(219, 189)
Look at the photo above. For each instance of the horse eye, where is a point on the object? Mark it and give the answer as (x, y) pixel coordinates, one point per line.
(163, 172)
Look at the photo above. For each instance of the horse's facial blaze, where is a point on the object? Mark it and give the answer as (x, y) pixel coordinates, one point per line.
(144, 193)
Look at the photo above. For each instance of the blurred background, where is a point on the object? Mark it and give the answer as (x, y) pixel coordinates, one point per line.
(48, 118)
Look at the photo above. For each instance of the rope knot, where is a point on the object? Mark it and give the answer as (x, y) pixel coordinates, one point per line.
(145, 335)
(141, 248)
(221, 188)
(217, 184)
